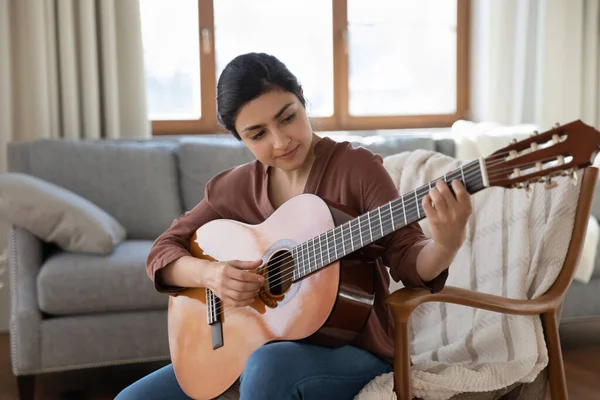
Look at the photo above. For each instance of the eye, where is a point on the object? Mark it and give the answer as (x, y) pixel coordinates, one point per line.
(289, 118)
(258, 135)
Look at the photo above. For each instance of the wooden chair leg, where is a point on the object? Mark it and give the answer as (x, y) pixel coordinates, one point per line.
(26, 385)
(402, 381)
(558, 381)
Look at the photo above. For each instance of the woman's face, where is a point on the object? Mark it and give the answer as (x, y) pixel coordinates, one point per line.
(276, 129)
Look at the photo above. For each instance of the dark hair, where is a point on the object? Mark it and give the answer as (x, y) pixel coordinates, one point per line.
(245, 78)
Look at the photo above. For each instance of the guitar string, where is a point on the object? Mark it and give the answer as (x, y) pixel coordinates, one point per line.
(458, 172)
(495, 174)
(313, 259)
(288, 270)
(490, 163)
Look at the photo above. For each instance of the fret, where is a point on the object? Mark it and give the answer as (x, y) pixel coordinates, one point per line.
(303, 261)
(369, 222)
(310, 256)
(305, 258)
(358, 233)
(328, 255)
(417, 201)
(462, 173)
(300, 260)
(404, 209)
(320, 250)
(392, 216)
(351, 238)
(293, 265)
(306, 254)
(343, 242)
(381, 221)
(335, 244)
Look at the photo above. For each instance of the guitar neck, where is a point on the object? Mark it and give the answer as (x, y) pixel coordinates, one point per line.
(359, 232)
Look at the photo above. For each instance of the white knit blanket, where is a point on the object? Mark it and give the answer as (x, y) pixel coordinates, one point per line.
(514, 248)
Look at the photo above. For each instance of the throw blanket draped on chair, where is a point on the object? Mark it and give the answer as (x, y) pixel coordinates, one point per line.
(515, 247)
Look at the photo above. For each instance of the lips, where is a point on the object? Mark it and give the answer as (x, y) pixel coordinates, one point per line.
(289, 154)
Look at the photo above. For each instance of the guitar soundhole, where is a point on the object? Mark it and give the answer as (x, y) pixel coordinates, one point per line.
(280, 268)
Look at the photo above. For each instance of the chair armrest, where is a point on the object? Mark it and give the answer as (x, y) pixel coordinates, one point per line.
(404, 301)
(26, 257)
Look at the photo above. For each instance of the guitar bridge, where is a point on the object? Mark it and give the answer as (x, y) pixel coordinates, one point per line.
(213, 314)
(217, 335)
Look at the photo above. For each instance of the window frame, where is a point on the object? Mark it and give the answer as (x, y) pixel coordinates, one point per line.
(341, 120)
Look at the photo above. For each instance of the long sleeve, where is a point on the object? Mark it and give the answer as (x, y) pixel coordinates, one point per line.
(403, 246)
(174, 242)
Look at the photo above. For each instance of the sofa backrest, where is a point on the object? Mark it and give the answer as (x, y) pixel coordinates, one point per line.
(146, 184)
(134, 181)
(202, 157)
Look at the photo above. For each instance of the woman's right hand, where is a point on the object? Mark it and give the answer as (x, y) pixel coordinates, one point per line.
(233, 283)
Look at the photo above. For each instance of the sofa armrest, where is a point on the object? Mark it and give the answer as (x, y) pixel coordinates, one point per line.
(26, 257)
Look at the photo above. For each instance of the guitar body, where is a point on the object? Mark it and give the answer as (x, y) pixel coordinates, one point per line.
(327, 307)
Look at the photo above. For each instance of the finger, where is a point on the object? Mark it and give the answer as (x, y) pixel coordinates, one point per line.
(444, 190)
(439, 203)
(239, 296)
(245, 264)
(243, 286)
(462, 196)
(238, 303)
(244, 276)
(430, 212)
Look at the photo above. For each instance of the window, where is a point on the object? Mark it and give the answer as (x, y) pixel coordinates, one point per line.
(363, 64)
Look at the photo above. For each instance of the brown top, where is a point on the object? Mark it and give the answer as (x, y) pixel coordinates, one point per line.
(353, 177)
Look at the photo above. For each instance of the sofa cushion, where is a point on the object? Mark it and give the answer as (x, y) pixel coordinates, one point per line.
(134, 181)
(70, 283)
(57, 215)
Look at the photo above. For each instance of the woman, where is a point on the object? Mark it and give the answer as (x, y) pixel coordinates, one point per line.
(262, 104)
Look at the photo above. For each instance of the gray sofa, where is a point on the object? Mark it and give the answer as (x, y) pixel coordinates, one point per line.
(73, 311)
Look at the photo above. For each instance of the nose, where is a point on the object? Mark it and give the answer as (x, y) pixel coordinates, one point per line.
(281, 141)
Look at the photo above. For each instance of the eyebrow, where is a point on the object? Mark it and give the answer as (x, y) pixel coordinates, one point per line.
(250, 128)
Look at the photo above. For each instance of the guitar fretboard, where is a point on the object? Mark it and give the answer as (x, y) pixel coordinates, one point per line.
(359, 232)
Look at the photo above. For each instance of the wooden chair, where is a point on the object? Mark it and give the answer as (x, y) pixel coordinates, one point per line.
(404, 301)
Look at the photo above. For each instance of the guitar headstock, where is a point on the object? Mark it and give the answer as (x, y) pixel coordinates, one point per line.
(559, 151)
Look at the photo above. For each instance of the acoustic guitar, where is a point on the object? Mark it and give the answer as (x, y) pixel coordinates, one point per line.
(315, 290)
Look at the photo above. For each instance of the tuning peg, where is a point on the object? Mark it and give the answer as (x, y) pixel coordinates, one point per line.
(549, 184)
(573, 177)
(513, 141)
(527, 188)
(534, 133)
(556, 125)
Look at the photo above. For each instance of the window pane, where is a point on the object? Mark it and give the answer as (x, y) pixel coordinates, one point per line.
(299, 33)
(402, 57)
(171, 58)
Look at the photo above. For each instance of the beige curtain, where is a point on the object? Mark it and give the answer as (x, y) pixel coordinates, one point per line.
(71, 69)
(535, 61)
(68, 69)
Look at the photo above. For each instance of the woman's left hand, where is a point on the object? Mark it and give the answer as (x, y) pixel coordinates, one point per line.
(447, 215)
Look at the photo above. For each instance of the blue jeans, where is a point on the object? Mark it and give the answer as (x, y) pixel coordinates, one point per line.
(282, 371)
